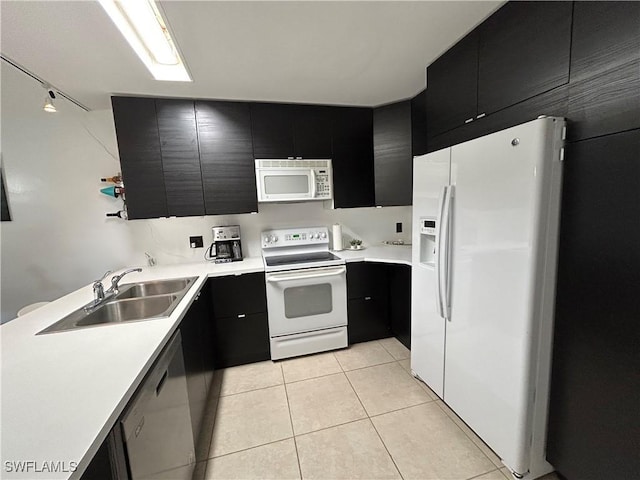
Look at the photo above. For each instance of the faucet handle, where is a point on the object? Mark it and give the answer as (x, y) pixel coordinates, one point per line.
(103, 276)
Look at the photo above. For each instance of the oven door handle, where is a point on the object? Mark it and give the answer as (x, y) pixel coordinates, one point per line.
(285, 278)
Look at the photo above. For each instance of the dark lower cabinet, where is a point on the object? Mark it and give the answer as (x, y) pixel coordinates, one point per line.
(393, 163)
(242, 339)
(400, 303)
(524, 50)
(368, 301)
(594, 421)
(241, 324)
(379, 302)
(198, 353)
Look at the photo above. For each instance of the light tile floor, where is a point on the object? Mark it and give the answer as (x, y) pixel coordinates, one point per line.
(350, 414)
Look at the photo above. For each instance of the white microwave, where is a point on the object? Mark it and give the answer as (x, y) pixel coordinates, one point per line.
(294, 180)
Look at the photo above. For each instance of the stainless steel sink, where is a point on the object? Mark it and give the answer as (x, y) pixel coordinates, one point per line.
(158, 287)
(119, 311)
(135, 302)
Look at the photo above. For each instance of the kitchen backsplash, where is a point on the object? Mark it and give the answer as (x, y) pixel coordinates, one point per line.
(167, 239)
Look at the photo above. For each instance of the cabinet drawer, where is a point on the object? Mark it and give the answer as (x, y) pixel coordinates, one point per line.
(235, 295)
(367, 280)
(368, 319)
(241, 340)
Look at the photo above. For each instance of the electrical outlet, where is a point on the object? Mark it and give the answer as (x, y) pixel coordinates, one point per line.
(196, 242)
(399, 227)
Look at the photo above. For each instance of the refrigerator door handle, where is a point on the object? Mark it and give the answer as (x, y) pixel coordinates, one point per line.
(444, 253)
(439, 249)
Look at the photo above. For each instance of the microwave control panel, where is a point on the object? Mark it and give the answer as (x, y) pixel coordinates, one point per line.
(323, 183)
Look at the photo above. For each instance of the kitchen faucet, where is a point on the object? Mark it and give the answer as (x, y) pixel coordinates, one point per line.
(114, 281)
(99, 294)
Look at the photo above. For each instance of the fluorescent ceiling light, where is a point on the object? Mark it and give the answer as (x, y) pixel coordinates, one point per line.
(142, 25)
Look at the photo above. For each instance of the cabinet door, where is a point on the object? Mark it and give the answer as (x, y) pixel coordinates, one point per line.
(368, 319)
(272, 129)
(595, 352)
(419, 124)
(312, 131)
(606, 36)
(139, 147)
(353, 181)
(524, 50)
(180, 157)
(393, 164)
(452, 86)
(242, 340)
(192, 351)
(235, 295)
(400, 303)
(604, 95)
(226, 157)
(366, 279)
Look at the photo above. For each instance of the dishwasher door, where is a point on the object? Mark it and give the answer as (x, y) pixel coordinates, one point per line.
(157, 425)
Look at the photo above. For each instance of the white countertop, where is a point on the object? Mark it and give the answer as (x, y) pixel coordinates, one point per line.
(378, 253)
(61, 393)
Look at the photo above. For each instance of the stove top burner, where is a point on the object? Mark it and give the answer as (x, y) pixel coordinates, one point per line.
(296, 259)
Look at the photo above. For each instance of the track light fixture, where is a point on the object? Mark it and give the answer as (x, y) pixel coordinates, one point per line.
(49, 107)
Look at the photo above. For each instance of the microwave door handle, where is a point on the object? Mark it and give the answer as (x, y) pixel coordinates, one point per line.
(313, 183)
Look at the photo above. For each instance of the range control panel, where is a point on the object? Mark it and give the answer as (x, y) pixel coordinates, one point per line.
(295, 236)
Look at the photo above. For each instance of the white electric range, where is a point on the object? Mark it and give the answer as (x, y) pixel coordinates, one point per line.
(306, 292)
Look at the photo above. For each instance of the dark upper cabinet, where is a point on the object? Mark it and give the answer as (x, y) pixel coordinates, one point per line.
(312, 131)
(353, 180)
(524, 50)
(226, 157)
(272, 129)
(593, 408)
(289, 130)
(604, 94)
(393, 165)
(606, 35)
(419, 124)
(452, 86)
(140, 156)
(180, 157)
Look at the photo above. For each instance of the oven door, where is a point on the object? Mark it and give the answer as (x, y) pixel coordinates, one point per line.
(285, 184)
(306, 300)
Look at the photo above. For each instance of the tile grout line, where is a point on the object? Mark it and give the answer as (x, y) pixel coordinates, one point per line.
(253, 447)
(374, 427)
(295, 444)
(468, 436)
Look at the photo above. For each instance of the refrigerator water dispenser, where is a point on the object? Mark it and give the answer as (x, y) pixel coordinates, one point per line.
(428, 241)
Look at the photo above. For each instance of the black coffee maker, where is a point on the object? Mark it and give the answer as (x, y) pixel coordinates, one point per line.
(226, 246)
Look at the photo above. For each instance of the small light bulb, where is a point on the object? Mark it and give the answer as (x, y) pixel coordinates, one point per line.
(49, 106)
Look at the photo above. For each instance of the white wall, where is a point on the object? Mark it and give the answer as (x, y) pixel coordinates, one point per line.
(59, 239)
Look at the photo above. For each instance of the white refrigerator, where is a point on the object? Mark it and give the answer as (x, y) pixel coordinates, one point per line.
(485, 224)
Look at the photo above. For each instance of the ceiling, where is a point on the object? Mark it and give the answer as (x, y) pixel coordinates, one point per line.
(329, 52)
